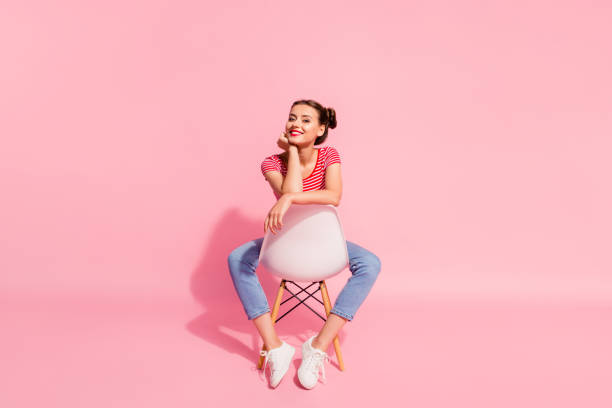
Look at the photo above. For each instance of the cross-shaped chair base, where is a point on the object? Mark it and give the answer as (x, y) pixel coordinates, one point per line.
(326, 304)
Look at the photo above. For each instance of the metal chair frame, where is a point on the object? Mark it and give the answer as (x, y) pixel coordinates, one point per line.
(302, 301)
(326, 304)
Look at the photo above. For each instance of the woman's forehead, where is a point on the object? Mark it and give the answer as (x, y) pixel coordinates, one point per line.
(303, 110)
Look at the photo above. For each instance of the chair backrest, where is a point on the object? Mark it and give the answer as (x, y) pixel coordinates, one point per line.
(310, 247)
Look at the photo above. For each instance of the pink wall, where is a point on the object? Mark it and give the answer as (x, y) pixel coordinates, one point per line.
(475, 141)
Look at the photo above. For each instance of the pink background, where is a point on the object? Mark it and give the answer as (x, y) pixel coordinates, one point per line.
(475, 142)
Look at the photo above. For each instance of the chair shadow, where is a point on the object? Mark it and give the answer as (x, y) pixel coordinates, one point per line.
(224, 316)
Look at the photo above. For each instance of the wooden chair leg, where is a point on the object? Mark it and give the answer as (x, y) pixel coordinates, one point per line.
(328, 307)
(277, 302)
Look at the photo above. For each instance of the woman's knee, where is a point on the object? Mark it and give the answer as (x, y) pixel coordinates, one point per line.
(361, 254)
(368, 267)
(234, 259)
(245, 254)
(374, 264)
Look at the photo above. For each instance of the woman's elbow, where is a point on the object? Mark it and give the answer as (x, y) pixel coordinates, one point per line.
(336, 201)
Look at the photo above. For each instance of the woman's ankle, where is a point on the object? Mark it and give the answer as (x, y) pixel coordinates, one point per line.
(318, 344)
(275, 344)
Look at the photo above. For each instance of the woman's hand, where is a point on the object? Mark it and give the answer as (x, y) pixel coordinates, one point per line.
(274, 220)
(283, 142)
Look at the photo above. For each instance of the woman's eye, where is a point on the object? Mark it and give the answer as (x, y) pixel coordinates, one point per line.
(306, 120)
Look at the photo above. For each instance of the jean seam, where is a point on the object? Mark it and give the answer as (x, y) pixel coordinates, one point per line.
(259, 313)
(334, 311)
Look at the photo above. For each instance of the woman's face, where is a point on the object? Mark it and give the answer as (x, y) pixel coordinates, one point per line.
(303, 125)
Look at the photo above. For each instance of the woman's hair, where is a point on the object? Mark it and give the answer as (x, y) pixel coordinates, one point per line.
(327, 116)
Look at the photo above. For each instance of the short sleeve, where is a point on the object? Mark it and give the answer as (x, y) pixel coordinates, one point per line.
(332, 156)
(270, 163)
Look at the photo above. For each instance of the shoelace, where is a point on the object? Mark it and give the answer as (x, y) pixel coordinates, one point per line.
(266, 353)
(315, 363)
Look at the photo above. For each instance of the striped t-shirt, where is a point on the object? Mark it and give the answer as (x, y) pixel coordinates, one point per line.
(326, 156)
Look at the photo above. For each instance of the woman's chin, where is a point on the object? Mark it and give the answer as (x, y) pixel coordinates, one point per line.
(299, 143)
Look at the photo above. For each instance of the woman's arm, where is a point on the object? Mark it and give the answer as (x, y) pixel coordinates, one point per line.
(314, 197)
(330, 195)
(293, 180)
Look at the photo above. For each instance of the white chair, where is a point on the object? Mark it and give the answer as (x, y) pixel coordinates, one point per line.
(310, 247)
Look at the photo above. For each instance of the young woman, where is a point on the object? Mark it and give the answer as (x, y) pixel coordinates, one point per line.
(302, 174)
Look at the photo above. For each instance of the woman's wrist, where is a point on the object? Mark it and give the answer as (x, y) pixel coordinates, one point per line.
(288, 197)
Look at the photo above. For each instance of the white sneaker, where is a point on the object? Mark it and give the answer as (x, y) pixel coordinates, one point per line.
(280, 359)
(312, 363)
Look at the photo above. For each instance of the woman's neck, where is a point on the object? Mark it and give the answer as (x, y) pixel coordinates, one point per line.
(305, 155)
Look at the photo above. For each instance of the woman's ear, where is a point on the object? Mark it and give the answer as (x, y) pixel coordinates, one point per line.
(321, 130)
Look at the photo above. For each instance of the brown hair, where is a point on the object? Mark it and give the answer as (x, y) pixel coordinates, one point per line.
(327, 116)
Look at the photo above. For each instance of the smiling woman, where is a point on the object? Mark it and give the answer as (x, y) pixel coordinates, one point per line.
(301, 174)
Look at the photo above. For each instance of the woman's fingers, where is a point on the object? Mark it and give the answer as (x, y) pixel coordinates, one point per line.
(279, 221)
(283, 141)
(273, 222)
(267, 224)
(270, 223)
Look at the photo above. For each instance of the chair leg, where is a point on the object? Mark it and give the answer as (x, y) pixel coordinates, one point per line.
(275, 308)
(328, 307)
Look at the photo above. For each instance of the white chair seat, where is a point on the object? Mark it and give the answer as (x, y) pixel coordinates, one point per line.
(309, 247)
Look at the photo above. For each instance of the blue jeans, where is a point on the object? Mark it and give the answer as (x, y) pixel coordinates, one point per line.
(243, 261)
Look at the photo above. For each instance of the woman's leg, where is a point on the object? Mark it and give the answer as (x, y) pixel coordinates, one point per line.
(365, 267)
(242, 263)
(266, 330)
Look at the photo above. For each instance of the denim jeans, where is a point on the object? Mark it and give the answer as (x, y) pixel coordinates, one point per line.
(243, 261)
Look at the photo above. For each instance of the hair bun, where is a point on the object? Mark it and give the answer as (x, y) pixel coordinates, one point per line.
(331, 118)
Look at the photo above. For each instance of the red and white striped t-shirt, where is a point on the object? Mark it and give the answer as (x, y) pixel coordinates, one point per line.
(326, 156)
